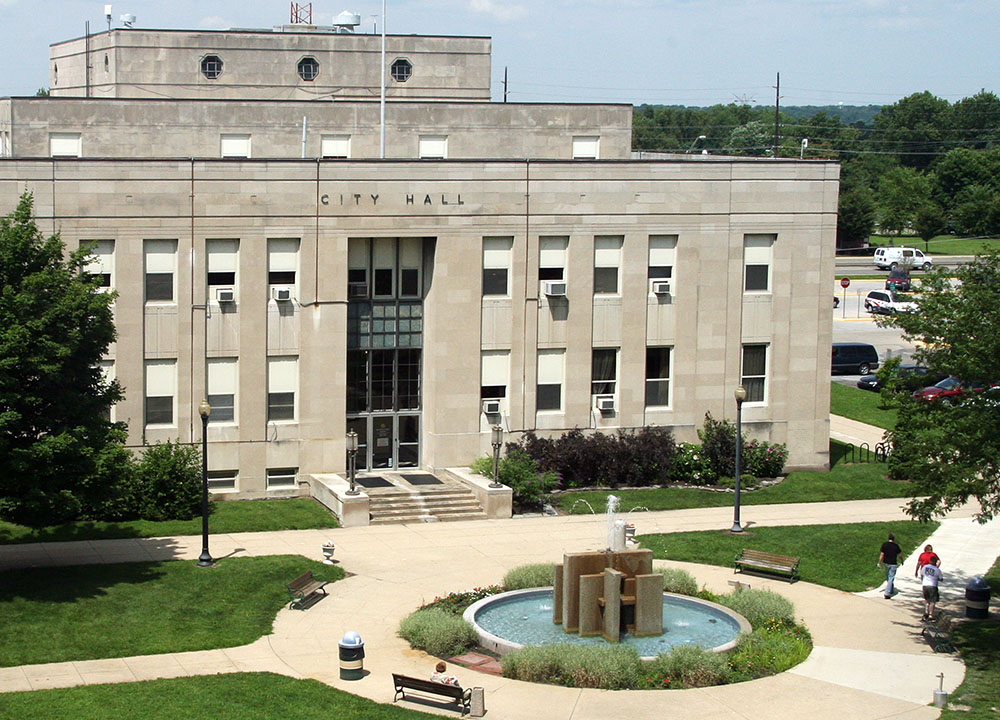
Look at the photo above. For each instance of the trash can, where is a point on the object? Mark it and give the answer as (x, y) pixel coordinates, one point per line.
(977, 599)
(352, 656)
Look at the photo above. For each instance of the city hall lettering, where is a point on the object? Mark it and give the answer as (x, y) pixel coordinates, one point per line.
(410, 198)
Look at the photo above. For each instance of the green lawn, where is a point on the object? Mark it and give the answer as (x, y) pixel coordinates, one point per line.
(977, 643)
(941, 244)
(861, 405)
(241, 696)
(228, 517)
(85, 612)
(838, 556)
(845, 481)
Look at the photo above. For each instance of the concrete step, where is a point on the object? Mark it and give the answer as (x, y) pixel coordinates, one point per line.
(450, 502)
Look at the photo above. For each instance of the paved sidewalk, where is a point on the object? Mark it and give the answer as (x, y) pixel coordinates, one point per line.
(854, 432)
(398, 567)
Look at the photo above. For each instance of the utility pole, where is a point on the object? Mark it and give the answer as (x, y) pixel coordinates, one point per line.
(505, 83)
(777, 90)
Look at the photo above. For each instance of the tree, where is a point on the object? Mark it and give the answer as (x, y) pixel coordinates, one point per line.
(900, 192)
(55, 325)
(855, 216)
(917, 128)
(929, 221)
(754, 138)
(951, 453)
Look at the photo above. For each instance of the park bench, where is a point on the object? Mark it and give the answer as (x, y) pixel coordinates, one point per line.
(938, 633)
(768, 563)
(429, 687)
(303, 587)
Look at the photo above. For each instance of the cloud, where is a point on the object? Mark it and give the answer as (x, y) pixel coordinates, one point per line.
(499, 11)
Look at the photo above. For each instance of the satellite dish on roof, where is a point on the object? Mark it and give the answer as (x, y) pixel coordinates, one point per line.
(346, 21)
(128, 20)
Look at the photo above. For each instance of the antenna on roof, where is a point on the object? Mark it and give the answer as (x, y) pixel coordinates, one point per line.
(107, 15)
(301, 14)
(346, 22)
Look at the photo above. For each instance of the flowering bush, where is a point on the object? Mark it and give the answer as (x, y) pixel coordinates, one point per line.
(762, 459)
(456, 602)
(690, 466)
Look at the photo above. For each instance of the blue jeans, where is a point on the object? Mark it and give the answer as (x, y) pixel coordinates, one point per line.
(890, 576)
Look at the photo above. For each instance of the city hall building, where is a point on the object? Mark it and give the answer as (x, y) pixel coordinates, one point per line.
(311, 268)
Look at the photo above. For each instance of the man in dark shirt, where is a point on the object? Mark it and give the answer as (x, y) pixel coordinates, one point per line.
(889, 556)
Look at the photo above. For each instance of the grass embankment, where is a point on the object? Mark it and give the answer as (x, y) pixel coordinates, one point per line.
(240, 696)
(861, 405)
(845, 481)
(940, 244)
(86, 612)
(837, 556)
(228, 517)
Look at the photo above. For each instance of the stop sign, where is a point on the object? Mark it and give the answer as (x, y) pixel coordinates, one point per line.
(844, 282)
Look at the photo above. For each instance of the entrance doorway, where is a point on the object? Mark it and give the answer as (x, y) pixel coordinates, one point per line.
(388, 441)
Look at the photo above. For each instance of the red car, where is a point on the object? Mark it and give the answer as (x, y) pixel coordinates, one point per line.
(950, 389)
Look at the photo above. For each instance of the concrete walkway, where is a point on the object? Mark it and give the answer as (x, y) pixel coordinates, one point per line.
(869, 660)
(854, 432)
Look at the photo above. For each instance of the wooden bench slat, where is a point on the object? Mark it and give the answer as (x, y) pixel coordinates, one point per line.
(771, 562)
(304, 586)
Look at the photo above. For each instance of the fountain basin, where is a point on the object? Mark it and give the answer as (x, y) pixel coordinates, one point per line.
(511, 620)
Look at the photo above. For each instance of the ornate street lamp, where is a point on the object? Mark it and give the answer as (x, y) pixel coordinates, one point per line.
(740, 395)
(352, 457)
(496, 440)
(204, 409)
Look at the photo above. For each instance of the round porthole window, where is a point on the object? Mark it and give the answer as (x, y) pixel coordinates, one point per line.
(401, 70)
(211, 66)
(308, 68)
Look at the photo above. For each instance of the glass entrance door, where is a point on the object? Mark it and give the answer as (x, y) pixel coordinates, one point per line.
(386, 442)
(383, 441)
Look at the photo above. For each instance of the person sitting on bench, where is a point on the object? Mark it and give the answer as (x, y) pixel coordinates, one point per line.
(439, 676)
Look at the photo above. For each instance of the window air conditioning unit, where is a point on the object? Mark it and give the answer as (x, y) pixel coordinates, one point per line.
(281, 294)
(491, 407)
(225, 295)
(606, 403)
(661, 287)
(357, 290)
(554, 288)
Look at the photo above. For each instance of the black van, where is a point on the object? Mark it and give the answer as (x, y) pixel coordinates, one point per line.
(854, 358)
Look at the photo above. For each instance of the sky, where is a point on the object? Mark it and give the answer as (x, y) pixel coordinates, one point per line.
(674, 52)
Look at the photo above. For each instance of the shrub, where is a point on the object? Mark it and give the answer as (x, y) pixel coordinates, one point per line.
(455, 603)
(689, 466)
(530, 488)
(678, 581)
(170, 482)
(438, 632)
(718, 444)
(530, 576)
(763, 459)
(689, 666)
(771, 649)
(760, 606)
(609, 667)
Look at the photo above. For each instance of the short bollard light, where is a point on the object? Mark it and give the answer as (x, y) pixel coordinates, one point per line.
(352, 656)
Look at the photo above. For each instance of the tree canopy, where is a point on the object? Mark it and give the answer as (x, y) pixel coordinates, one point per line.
(951, 451)
(57, 445)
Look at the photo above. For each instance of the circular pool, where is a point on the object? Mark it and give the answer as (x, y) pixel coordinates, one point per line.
(511, 620)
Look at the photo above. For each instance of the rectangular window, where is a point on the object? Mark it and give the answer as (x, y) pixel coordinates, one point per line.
(223, 262)
(221, 480)
(357, 268)
(603, 371)
(102, 263)
(433, 147)
(662, 256)
(4, 143)
(754, 374)
(161, 388)
(278, 478)
(235, 145)
(607, 260)
(336, 146)
(657, 377)
(161, 263)
(410, 259)
(496, 265)
(550, 379)
(757, 250)
(552, 258)
(222, 384)
(586, 147)
(282, 384)
(384, 263)
(108, 376)
(495, 372)
(282, 262)
(65, 145)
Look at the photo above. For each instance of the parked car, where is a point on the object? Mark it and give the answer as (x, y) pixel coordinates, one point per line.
(860, 358)
(951, 389)
(886, 303)
(892, 257)
(898, 280)
(914, 377)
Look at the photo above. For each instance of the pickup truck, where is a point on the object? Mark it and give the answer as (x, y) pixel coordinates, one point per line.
(886, 303)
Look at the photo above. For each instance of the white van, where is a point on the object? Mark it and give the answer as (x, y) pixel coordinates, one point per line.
(892, 257)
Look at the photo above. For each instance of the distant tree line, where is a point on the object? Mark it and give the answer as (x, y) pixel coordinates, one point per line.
(921, 165)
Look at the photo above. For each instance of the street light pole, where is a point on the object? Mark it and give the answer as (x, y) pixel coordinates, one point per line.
(740, 395)
(496, 440)
(205, 559)
(352, 455)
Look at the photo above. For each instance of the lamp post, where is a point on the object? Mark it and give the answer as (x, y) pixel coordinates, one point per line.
(352, 456)
(740, 395)
(496, 440)
(205, 559)
(696, 141)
